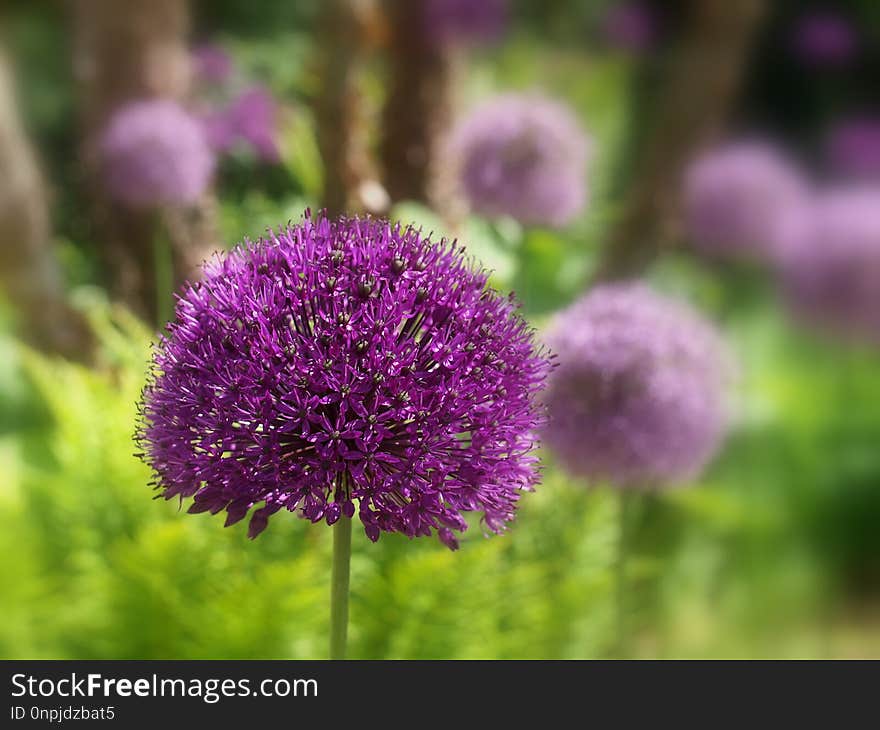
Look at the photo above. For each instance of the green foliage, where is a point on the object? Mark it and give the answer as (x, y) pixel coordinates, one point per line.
(781, 534)
(492, 244)
(301, 154)
(254, 213)
(746, 563)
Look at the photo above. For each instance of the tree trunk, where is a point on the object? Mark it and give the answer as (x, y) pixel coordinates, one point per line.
(350, 180)
(125, 51)
(694, 100)
(418, 108)
(29, 272)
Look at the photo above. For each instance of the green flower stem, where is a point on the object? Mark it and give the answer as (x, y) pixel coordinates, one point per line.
(339, 587)
(625, 499)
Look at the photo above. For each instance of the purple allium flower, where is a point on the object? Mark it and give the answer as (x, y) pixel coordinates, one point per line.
(253, 115)
(831, 262)
(630, 26)
(219, 133)
(825, 39)
(523, 156)
(638, 396)
(734, 197)
(853, 148)
(211, 64)
(251, 119)
(340, 366)
(451, 22)
(154, 153)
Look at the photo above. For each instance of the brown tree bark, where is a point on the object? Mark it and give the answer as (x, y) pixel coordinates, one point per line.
(125, 51)
(29, 272)
(697, 92)
(418, 109)
(348, 32)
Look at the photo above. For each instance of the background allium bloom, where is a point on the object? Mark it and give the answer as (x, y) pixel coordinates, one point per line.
(253, 116)
(630, 26)
(825, 39)
(525, 157)
(154, 153)
(250, 119)
(831, 262)
(211, 64)
(451, 22)
(638, 396)
(342, 366)
(734, 197)
(853, 148)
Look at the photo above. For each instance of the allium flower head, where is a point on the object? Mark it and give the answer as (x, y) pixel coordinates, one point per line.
(343, 366)
(638, 396)
(831, 262)
(734, 196)
(457, 22)
(253, 116)
(630, 26)
(154, 153)
(523, 156)
(825, 39)
(250, 119)
(212, 64)
(853, 148)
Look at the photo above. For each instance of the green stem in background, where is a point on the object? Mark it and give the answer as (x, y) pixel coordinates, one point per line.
(163, 266)
(339, 580)
(625, 499)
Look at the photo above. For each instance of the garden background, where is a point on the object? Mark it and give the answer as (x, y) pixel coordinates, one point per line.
(773, 552)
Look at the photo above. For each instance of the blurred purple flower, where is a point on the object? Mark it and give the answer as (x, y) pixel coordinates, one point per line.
(251, 119)
(630, 26)
(254, 116)
(734, 196)
(523, 156)
(853, 148)
(824, 38)
(211, 64)
(451, 22)
(638, 396)
(831, 262)
(220, 134)
(340, 366)
(154, 153)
